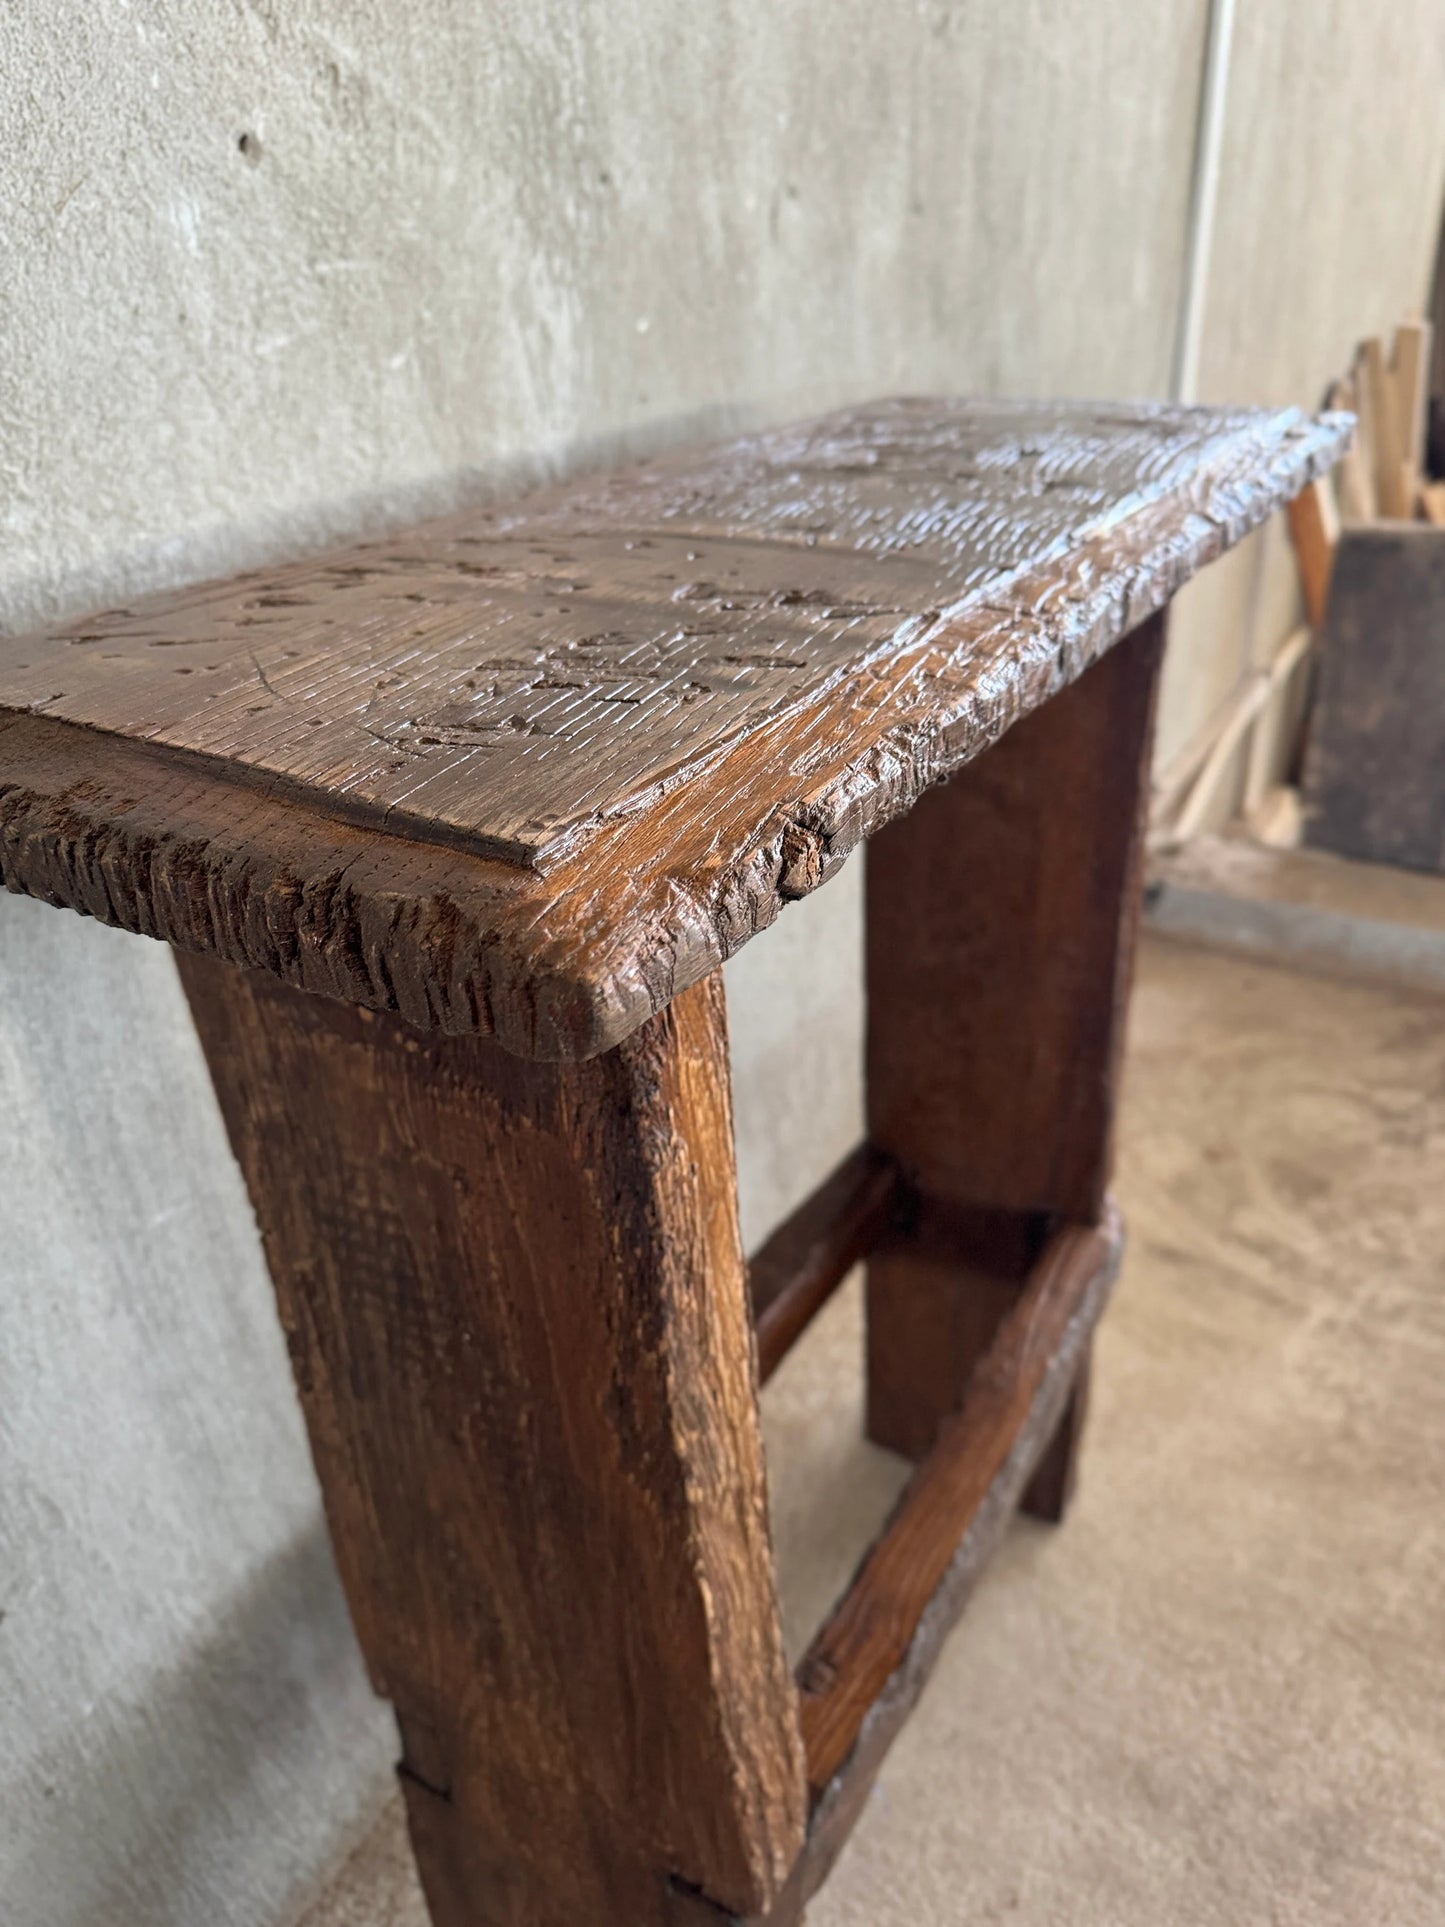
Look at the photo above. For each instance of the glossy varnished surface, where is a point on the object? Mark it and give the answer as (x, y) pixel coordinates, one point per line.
(530, 770)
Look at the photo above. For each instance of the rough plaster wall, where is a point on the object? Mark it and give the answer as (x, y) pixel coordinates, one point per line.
(174, 1654)
(464, 241)
(461, 245)
(1328, 216)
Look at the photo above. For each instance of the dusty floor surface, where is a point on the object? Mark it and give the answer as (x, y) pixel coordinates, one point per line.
(1218, 1694)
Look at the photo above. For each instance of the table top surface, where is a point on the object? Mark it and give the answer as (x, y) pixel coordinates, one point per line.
(570, 751)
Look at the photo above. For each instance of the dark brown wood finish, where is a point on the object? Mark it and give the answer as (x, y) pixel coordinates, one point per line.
(528, 775)
(515, 1300)
(508, 678)
(806, 1259)
(869, 1656)
(529, 771)
(1001, 923)
(863, 1673)
(938, 1286)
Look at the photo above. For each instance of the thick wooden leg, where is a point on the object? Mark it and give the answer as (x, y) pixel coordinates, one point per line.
(514, 1295)
(1001, 921)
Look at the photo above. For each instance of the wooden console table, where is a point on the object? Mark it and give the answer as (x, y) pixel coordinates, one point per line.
(504, 791)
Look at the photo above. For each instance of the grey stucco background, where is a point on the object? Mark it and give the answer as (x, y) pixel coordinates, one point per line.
(458, 248)
(1328, 214)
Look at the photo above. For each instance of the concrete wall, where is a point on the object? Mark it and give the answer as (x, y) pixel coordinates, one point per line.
(1328, 214)
(183, 1715)
(456, 247)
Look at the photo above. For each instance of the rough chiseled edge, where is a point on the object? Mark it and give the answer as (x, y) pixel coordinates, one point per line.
(460, 944)
(893, 771)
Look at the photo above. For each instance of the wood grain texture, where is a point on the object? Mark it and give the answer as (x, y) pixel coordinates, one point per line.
(1410, 380)
(1000, 940)
(1001, 922)
(1373, 784)
(511, 677)
(863, 1673)
(515, 1301)
(802, 1264)
(827, 620)
(937, 1289)
(865, 1670)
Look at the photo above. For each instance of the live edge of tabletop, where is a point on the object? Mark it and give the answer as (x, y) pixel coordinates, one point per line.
(531, 770)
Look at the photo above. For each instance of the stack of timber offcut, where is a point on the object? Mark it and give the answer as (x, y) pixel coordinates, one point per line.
(1374, 578)
(1382, 477)
(1351, 706)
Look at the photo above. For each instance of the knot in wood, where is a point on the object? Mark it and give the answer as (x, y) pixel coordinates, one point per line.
(802, 861)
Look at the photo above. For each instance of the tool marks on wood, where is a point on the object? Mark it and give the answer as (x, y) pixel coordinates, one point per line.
(1054, 531)
(511, 678)
(515, 1301)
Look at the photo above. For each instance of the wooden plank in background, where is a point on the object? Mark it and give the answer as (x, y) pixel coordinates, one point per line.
(1381, 414)
(1314, 526)
(1277, 730)
(1355, 468)
(1410, 376)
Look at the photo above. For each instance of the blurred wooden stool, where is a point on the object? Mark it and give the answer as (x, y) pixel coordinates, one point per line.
(505, 790)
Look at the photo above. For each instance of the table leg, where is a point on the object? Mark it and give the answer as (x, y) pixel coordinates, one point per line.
(1001, 922)
(515, 1300)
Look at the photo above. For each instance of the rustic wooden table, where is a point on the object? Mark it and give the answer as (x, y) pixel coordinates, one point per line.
(505, 790)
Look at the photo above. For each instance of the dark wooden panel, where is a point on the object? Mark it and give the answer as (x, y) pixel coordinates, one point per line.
(515, 1300)
(1375, 771)
(809, 1255)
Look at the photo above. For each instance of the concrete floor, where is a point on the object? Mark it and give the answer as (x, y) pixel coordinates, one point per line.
(1218, 1694)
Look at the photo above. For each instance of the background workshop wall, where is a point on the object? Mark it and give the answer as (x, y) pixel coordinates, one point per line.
(1326, 217)
(278, 273)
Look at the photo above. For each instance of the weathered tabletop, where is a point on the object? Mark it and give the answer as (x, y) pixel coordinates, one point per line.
(531, 769)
